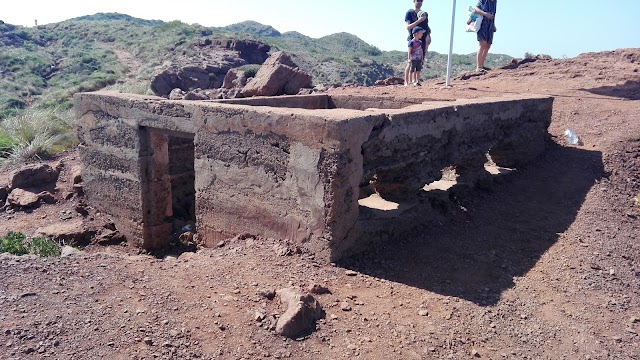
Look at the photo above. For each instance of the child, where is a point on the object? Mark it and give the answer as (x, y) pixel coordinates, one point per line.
(415, 55)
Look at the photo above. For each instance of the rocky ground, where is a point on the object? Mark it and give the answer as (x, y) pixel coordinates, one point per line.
(545, 264)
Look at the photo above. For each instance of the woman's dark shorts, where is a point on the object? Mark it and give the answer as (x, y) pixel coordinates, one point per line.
(486, 32)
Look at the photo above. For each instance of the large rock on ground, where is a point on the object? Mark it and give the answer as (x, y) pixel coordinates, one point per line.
(34, 175)
(301, 314)
(184, 78)
(22, 198)
(72, 233)
(235, 78)
(278, 75)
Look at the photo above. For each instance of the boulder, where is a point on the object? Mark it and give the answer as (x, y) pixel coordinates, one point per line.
(199, 94)
(22, 198)
(76, 174)
(235, 78)
(394, 80)
(33, 175)
(277, 76)
(185, 78)
(176, 94)
(301, 314)
(72, 233)
(68, 251)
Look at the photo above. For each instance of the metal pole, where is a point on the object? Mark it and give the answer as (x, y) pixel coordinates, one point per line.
(450, 59)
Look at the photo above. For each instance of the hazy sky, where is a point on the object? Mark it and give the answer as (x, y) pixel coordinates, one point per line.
(555, 27)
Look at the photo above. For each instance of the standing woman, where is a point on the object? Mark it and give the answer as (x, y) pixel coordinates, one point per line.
(412, 20)
(486, 8)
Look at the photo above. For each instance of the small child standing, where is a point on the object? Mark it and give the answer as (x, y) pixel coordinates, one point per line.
(415, 55)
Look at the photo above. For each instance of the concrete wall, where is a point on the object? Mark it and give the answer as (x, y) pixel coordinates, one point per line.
(285, 171)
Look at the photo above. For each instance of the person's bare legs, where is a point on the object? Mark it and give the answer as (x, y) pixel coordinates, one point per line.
(407, 74)
(483, 51)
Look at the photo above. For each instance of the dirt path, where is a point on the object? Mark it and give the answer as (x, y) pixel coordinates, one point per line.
(128, 60)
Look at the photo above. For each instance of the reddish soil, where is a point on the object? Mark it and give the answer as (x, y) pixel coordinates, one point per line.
(544, 264)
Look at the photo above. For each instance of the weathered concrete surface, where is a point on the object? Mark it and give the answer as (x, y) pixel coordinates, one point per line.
(294, 170)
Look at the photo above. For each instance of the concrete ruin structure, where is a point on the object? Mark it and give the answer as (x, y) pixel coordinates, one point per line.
(289, 167)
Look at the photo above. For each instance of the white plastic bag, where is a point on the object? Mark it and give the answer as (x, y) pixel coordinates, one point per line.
(475, 20)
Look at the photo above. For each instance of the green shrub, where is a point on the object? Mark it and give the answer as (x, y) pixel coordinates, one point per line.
(250, 70)
(44, 247)
(13, 243)
(6, 144)
(37, 133)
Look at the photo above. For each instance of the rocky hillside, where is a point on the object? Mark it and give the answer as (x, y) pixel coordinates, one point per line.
(45, 65)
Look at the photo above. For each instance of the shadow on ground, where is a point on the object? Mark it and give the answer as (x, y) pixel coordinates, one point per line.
(629, 90)
(490, 237)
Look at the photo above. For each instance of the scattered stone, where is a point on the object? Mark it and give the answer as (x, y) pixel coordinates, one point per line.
(176, 94)
(47, 197)
(82, 209)
(319, 289)
(268, 294)
(68, 251)
(475, 353)
(259, 317)
(78, 189)
(301, 314)
(282, 250)
(186, 238)
(199, 94)
(344, 306)
(393, 80)
(148, 341)
(350, 273)
(423, 312)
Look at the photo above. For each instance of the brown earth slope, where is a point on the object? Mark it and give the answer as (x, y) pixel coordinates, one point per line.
(544, 264)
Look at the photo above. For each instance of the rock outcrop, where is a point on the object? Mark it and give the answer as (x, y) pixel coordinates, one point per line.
(278, 75)
(206, 65)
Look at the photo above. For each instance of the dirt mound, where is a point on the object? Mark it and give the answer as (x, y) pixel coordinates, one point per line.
(543, 264)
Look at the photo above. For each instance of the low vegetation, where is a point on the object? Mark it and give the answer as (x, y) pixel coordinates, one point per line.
(16, 243)
(36, 133)
(42, 67)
